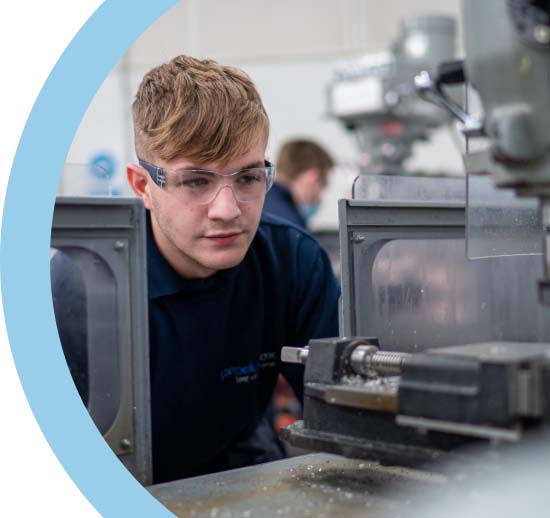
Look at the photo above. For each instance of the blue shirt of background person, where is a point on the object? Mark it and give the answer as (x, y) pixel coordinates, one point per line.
(302, 170)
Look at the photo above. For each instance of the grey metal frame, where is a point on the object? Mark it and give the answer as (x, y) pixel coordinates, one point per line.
(113, 229)
(373, 224)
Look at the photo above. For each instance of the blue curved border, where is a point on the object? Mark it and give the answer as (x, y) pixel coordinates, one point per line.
(25, 250)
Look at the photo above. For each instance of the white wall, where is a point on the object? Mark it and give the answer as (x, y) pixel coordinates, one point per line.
(289, 48)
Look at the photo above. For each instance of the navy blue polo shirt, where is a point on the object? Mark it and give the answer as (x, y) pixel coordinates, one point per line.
(279, 202)
(216, 343)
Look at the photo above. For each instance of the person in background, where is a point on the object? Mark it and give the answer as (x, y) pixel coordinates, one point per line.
(303, 167)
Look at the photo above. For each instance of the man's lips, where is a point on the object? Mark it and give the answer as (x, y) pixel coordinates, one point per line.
(224, 238)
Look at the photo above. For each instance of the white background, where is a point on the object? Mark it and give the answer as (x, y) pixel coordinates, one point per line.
(33, 35)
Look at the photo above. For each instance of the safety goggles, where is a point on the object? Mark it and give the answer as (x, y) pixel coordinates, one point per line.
(198, 186)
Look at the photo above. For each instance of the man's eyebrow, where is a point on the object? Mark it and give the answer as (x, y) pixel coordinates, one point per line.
(199, 170)
(259, 163)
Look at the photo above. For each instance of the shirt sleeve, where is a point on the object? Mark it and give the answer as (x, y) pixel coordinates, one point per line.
(314, 304)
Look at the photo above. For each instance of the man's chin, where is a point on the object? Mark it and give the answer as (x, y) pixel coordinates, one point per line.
(225, 262)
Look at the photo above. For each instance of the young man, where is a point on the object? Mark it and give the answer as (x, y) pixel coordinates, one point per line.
(302, 170)
(228, 287)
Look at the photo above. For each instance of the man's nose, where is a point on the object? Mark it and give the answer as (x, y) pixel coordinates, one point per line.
(224, 206)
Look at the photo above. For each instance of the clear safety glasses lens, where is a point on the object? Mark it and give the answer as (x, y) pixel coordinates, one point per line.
(200, 187)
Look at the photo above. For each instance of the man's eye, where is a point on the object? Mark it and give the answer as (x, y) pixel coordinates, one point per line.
(194, 182)
(249, 177)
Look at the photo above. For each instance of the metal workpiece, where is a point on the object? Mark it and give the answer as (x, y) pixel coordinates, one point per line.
(378, 394)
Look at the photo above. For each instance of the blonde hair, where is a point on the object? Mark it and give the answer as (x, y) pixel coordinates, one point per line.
(197, 109)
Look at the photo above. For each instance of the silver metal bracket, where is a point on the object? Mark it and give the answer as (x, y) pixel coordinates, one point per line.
(431, 91)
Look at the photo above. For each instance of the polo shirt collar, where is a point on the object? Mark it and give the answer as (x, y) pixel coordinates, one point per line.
(283, 192)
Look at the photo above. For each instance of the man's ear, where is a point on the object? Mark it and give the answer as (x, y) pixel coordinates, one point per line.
(138, 179)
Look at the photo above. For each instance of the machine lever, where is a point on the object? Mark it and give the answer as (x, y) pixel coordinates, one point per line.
(431, 91)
